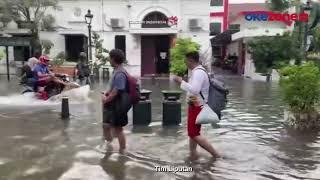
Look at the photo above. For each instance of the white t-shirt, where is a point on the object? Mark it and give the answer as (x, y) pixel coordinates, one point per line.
(198, 81)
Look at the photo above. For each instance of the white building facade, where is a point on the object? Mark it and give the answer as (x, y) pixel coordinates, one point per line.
(135, 26)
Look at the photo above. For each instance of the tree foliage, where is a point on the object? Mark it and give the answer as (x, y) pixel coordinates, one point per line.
(177, 55)
(273, 52)
(281, 5)
(101, 53)
(300, 87)
(47, 23)
(29, 11)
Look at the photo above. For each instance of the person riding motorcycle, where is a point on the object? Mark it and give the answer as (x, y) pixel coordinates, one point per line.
(43, 76)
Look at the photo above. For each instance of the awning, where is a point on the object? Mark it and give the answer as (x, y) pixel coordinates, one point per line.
(73, 32)
(153, 31)
(16, 31)
(248, 33)
(223, 38)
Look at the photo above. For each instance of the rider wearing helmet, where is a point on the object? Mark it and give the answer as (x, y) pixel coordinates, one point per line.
(43, 75)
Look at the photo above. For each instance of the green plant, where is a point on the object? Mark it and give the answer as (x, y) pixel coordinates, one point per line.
(177, 55)
(273, 52)
(2, 54)
(46, 46)
(59, 59)
(101, 52)
(300, 87)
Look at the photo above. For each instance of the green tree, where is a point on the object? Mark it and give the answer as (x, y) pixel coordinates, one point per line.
(177, 55)
(273, 52)
(100, 51)
(30, 11)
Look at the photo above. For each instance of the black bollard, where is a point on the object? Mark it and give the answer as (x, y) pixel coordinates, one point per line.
(65, 108)
(171, 108)
(142, 110)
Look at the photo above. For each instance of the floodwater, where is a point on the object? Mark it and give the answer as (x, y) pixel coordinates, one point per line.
(37, 145)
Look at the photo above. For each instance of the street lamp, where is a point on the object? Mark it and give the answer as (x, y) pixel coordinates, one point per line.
(88, 18)
(306, 9)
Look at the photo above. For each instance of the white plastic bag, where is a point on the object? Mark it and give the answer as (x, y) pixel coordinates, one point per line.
(207, 116)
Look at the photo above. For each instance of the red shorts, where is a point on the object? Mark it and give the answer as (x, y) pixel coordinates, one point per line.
(193, 128)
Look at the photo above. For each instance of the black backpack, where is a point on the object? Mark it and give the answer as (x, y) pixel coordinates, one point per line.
(218, 94)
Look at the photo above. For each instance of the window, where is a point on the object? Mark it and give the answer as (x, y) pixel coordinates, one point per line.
(215, 28)
(216, 3)
(234, 27)
(120, 43)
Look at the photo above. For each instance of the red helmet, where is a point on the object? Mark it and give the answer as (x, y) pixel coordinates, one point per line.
(43, 59)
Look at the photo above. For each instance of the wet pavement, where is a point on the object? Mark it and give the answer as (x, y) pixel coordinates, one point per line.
(37, 145)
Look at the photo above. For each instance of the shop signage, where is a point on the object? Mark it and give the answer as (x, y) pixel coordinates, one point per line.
(172, 21)
(271, 16)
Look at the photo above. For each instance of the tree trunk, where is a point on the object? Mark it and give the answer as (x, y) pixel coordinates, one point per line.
(35, 42)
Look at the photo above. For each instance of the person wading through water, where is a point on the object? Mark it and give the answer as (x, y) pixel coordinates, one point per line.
(198, 82)
(82, 70)
(116, 102)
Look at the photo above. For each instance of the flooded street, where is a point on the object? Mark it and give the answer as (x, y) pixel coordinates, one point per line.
(37, 145)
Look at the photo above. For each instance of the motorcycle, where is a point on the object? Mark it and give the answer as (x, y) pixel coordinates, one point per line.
(52, 88)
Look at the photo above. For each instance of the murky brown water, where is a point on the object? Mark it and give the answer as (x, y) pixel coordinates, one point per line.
(37, 145)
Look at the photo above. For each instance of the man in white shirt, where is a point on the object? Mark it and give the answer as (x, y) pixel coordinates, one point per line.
(198, 82)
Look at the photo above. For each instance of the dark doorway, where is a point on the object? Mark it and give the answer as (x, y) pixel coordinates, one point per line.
(155, 55)
(120, 43)
(74, 45)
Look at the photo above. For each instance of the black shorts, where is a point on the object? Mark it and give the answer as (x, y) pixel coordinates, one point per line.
(115, 119)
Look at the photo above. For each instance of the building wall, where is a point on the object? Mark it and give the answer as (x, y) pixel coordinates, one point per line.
(71, 21)
(249, 30)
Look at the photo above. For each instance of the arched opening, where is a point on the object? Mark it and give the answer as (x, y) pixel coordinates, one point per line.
(155, 20)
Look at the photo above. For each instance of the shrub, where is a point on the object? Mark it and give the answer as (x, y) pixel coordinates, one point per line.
(2, 54)
(59, 59)
(300, 87)
(46, 46)
(177, 55)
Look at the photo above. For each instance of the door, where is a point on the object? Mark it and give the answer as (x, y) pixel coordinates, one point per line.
(74, 45)
(148, 56)
(162, 52)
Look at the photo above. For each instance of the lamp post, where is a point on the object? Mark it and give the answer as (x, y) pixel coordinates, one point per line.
(88, 18)
(306, 9)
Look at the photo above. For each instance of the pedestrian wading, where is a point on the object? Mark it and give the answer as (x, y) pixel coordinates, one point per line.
(118, 100)
(198, 84)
